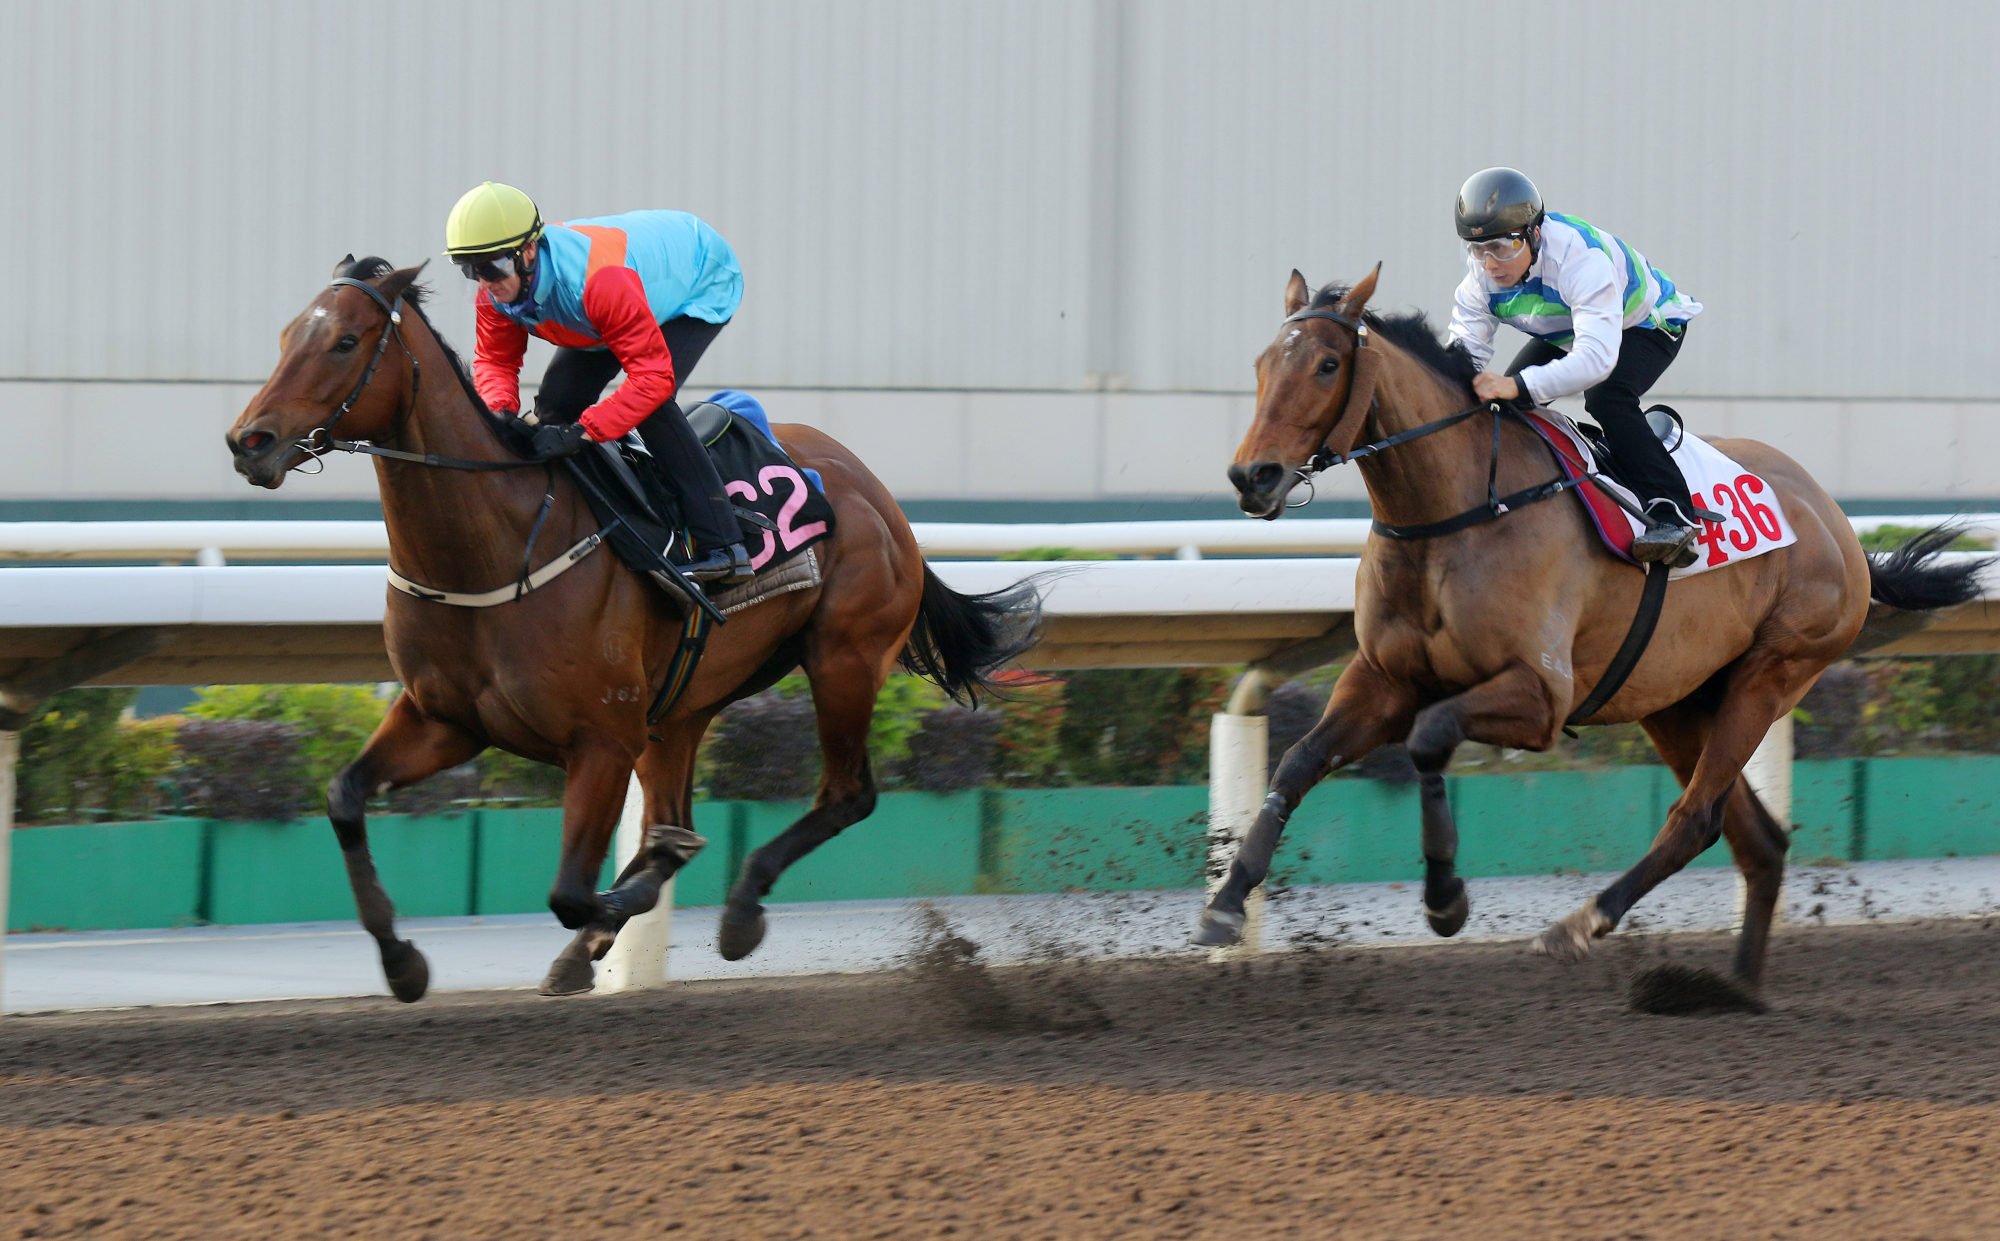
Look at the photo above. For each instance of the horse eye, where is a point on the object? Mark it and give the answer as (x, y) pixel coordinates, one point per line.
(346, 343)
(1329, 366)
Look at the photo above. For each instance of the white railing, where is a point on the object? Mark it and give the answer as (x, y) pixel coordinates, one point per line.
(220, 542)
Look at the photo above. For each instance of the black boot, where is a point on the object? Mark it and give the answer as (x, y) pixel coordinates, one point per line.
(1667, 538)
(730, 565)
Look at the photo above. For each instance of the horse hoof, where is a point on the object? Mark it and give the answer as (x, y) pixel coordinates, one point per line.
(1571, 939)
(1217, 929)
(569, 975)
(408, 973)
(740, 936)
(1447, 922)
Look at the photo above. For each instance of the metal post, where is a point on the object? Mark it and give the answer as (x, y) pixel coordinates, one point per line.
(1239, 753)
(10, 750)
(638, 958)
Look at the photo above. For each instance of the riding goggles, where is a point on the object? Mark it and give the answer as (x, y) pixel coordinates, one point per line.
(1499, 249)
(489, 267)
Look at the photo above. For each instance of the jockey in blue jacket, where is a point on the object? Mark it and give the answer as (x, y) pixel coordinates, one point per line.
(643, 292)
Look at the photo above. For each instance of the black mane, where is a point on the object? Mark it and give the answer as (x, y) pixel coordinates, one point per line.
(1413, 333)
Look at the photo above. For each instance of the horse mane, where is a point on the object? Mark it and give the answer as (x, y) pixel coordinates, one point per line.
(1412, 332)
(374, 267)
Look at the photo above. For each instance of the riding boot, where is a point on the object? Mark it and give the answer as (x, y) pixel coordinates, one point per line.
(711, 520)
(1667, 537)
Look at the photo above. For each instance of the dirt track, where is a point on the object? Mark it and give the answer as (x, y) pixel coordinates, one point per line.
(1465, 1091)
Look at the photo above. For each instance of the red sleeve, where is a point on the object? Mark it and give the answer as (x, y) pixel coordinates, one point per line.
(615, 301)
(496, 361)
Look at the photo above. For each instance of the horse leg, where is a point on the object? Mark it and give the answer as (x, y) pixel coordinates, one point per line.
(844, 689)
(1708, 752)
(1758, 843)
(597, 773)
(1366, 709)
(406, 747)
(1511, 709)
(666, 774)
(1756, 839)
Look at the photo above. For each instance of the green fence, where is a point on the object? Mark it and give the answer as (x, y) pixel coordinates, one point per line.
(174, 872)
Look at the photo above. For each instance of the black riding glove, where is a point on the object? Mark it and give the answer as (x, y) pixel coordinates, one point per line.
(559, 440)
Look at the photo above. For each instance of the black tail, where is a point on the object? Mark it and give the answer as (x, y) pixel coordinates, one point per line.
(960, 640)
(1906, 578)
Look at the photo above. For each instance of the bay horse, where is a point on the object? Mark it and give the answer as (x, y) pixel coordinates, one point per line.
(565, 674)
(1495, 631)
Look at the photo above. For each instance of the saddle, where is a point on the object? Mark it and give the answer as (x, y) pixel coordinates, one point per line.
(781, 508)
(1754, 521)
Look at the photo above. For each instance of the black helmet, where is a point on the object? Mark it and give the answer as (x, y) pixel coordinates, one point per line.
(1494, 201)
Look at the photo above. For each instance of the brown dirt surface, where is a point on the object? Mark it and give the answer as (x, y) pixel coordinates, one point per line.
(1447, 1091)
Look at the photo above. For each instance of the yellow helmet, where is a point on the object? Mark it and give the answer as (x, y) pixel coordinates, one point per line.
(491, 218)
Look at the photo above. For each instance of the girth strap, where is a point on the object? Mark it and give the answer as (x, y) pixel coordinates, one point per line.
(1651, 599)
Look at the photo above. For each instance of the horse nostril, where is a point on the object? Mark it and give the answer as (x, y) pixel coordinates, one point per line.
(256, 441)
(1267, 475)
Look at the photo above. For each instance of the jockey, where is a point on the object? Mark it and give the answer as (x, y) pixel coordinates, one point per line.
(645, 293)
(1604, 323)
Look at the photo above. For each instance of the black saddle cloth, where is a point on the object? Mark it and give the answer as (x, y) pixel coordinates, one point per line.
(780, 511)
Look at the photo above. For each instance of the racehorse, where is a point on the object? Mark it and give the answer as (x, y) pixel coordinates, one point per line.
(565, 673)
(1494, 630)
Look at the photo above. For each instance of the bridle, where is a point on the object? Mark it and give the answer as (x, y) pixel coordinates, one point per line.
(319, 441)
(1365, 363)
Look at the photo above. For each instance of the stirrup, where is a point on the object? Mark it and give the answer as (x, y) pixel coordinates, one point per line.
(729, 564)
(1671, 543)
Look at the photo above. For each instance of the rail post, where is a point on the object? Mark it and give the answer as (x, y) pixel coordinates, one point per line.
(638, 957)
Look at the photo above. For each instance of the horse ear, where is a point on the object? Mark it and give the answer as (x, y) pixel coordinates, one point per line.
(1296, 293)
(344, 266)
(398, 282)
(1357, 297)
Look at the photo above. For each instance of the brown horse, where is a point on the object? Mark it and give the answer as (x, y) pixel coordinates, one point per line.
(565, 674)
(1493, 632)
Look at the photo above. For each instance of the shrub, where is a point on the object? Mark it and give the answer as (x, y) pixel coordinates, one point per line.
(333, 721)
(764, 748)
(78, 761)
(1028, 748)
(953, 750)
(1140, 725)
(245, 769)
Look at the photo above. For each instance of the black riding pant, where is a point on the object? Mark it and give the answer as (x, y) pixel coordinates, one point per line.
(577, 377)
(1644, 353)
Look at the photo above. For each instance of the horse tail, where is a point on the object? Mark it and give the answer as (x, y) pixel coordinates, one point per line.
(959, 641)
(1909, 579)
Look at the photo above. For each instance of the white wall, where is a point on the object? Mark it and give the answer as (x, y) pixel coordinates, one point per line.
(982, 207)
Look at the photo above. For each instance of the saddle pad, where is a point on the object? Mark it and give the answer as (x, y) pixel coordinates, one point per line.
(1755, 519)
(799, 573)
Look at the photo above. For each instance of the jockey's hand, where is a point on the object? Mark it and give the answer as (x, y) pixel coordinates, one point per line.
(1488, 386)
(562, 439)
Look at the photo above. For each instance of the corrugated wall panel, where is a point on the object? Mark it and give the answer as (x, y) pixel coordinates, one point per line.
(1023, 195)
(1817, 173)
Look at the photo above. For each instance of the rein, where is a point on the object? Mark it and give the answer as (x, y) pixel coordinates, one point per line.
(1496, 504)
(319, 441)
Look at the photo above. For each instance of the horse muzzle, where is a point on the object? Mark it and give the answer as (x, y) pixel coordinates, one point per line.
(260, 456)
(1261, 488)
